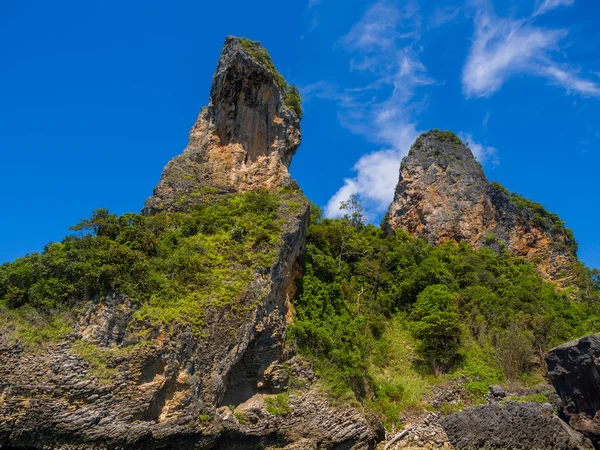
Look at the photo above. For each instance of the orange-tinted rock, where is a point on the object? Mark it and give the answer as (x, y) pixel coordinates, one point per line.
(444, 195)
(243, 140)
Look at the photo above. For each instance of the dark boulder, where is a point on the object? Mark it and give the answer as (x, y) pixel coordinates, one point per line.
(574, 369)
(511, 425)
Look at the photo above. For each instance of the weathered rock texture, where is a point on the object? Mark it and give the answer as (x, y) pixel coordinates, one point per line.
(574, 369)
(443, 195)
(511, 426)
(243, 140)
(118, 383)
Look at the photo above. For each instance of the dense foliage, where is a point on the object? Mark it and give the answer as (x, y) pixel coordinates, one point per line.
(365, 295)
(174, 264)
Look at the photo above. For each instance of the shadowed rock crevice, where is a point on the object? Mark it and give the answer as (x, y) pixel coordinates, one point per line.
(246, 378)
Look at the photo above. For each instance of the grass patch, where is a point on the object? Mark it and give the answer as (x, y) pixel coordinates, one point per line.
(34, 327)
(97, 358)
(278, 405)
(535, 398)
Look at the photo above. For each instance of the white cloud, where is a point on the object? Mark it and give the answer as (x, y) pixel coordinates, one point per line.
(570, 81)
(548, 5)
(504, 47)
(376, 30)
(482, 153)
(383, 45)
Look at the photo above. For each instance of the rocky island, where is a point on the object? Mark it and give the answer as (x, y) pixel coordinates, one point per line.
(230, 315)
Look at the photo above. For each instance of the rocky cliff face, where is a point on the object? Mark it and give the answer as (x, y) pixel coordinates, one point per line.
(118, 383)
(244, 139)
(443, 194)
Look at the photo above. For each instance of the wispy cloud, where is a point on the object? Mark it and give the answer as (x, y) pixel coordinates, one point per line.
(504, 47)
(569, 79)
(548, 5)
(383, 46)
(482, 153)
(442, 15)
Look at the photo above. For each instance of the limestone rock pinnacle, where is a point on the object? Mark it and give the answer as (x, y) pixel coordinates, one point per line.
(443, 194)
(243, 140)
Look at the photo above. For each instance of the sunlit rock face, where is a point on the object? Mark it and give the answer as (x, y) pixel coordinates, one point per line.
(443, 195)
(243, 140)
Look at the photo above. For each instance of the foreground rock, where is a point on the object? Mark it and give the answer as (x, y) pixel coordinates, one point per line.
(574, 369)
(118, 383)
(443, 195)
(511, 426)
(243, 140)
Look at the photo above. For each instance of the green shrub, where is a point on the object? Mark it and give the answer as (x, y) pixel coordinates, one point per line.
(240, 417)
(293, 100)
(437, 325)
(262, 55)
(278, 405)
(447, 136)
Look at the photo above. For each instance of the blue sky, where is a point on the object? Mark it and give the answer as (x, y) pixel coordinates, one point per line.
(96, 97)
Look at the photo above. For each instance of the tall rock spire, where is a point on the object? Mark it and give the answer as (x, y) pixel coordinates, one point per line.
(443, 194)
(243, 140)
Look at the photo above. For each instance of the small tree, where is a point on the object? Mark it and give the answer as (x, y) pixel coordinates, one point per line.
(353, 211)
(352, 221)
(514, 350)
(437, 325)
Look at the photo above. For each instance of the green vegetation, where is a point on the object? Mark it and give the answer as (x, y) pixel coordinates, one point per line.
(240, 417)
(262, 55)
(447, 136)
(97, 358)
(33, 327)
(437, 326)
(293, 99)
(535, 398)
(386, 318)
(278, 405)
(175, 265)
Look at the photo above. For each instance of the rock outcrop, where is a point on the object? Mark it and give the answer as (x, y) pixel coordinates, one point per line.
(243, 140)
(119, 383)
(574, 369)
(443, 195)
(512, 425)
